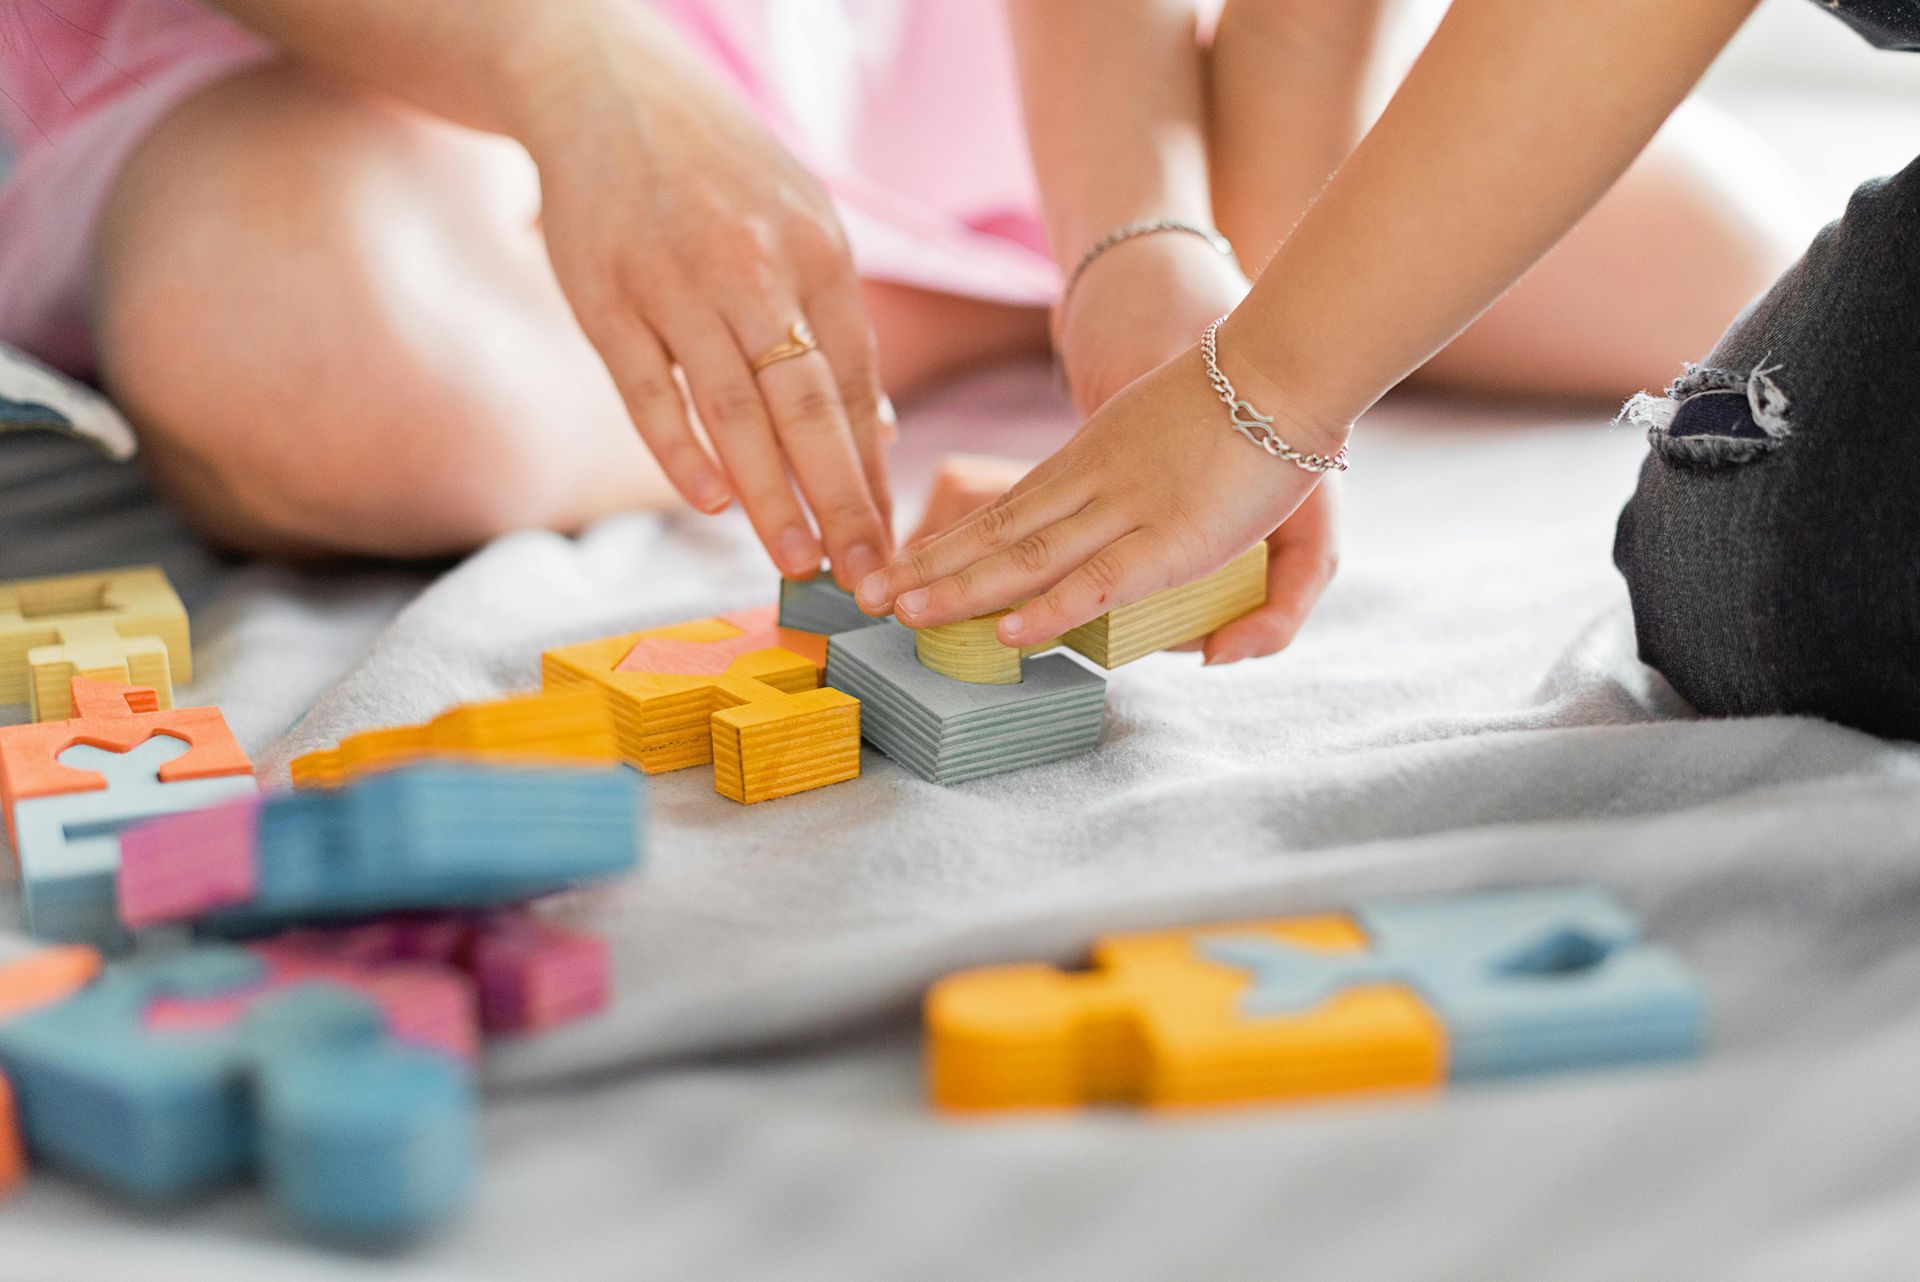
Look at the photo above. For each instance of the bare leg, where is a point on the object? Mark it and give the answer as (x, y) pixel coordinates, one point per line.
(334, 322)
(1648, 279)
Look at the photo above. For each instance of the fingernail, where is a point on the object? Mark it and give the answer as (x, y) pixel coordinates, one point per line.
(1222, 657)
(798, 552)
(888, 419)
(1010, 627)
(872, 592)
(710, 493)
(911, 602)
(860, 561)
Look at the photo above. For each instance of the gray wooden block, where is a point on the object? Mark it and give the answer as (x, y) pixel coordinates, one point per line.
(819, 605)
(949, 731)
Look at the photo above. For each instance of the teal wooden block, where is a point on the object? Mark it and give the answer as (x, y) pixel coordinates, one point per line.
(1525, 980)
(356, 1135)
(68, 844)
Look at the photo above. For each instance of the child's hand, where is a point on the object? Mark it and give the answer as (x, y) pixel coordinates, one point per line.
(1156, 490)
(686, 236)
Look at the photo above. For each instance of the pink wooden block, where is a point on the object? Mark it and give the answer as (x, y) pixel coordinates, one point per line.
(420, 1003)
(533, 976)
(187, 864)
(759, 630)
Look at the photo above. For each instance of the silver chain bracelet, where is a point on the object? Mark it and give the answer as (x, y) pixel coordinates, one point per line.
(1143, 227)
(1254, 425)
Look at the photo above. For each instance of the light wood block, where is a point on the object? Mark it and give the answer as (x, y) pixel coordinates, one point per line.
(116, 625)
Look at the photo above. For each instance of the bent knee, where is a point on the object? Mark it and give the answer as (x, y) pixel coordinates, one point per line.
(1747, 600)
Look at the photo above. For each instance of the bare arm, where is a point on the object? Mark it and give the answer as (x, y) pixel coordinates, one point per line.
(1284, 110)
(1116, 114)
(1515, 120)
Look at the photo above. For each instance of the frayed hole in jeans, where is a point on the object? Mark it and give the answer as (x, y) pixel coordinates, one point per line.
(1711, 416)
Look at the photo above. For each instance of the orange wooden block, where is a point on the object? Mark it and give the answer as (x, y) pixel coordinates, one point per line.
(665, 686)
(13, 1152)
(565, 728)
(117, 718)
(1158, 1023)
(44, 977)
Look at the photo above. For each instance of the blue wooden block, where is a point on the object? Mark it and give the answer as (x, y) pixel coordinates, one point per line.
(357, 1135)
(1533, 980)
(68, 847)
(1525, 980)
(434, 835)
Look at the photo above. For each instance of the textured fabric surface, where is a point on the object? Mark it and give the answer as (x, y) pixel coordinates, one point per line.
(1465, 711)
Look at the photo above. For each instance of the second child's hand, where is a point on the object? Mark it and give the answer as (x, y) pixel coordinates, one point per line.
(1154, 491)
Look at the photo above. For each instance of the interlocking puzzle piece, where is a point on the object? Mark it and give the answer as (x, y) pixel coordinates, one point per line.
(28, 983)
(951, 731)
(13, 1150)
(530, 975)
(560, 728)
(665, 688)
(1160, 1023)
(67, 843)
(1536, 980)
(45, 976)
(970, 651)
(820, 605)
(1507, 982)
(120, 625)
(116, 717)
(356, 1134)
(429, 835)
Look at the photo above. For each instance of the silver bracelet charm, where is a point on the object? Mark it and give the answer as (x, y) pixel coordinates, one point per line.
(1254, 425)
(1143, 227)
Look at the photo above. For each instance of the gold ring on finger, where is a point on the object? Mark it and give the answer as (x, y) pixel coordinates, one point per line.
(799, 342)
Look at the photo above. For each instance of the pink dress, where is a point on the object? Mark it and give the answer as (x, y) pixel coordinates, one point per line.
(905, 109)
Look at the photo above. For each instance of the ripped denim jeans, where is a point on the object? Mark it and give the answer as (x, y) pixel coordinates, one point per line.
(1772, 549)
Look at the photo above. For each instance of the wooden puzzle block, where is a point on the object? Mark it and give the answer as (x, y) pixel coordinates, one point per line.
(67, 842)
(45, 976)
(13, 1150)
(949, 731)
(172, 1078)
(774, 749)
(529, 975)
(1500, 983)
(820, 605)
(114, 717)
(27, 983)
(1158, 1022)
(429, 835)
(559, 727)
(1541, 979)
(970, 651)
(118, 625)
(666, 687)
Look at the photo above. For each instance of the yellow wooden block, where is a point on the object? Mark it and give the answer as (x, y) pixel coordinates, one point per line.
(1176, 615)
(1158, 1023)
(666, 688)
(112, 625)
(559, 727)
(970, 651)
(780, 747)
